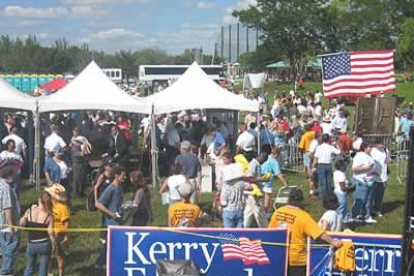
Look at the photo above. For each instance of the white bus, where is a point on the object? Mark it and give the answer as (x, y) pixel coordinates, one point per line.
(115, 74)
(163, 73)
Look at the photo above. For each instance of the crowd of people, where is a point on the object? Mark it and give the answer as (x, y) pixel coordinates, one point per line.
(245, 169)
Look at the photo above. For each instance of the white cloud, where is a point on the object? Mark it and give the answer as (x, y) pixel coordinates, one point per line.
(49, 13)
(87, 11)
(188, 37)
(240, 5)
(116, 33)
(206, 5)
(99, 2)
(30, 12)
(229, 20)
(30, 23)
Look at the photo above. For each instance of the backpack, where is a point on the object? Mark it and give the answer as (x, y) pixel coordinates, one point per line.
(344, 260)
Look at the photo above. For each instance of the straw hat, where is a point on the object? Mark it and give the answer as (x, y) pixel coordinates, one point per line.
(57, 191)
(326, 119)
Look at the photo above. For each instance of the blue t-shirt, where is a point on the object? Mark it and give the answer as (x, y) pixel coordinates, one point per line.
(219, 140)
(53, 169)
(405, 125)
(270, 166)
(280, 140)
(112, 198)
(266, 137)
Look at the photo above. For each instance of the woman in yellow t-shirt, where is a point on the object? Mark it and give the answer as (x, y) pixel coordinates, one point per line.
(301, 225)
(61, 216)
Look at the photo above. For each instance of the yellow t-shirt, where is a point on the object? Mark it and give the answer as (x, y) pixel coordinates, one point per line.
(306, 140)
(300, 225)
(60, 214)
(183, 214)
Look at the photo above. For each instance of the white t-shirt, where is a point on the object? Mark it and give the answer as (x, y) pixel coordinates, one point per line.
(318, 111)
(52, 141)
(380, 157)
(324, 153)
(174, 182)
(246, 141)
(313, 145)
(327, 128)
(63, 169)
(361, 158)
(339, 177)
(318, 97)
(334, 219)
(20, 144)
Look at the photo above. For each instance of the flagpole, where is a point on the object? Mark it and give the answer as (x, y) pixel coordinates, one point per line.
(333, 54)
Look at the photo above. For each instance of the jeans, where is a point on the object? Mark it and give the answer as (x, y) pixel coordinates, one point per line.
(343, 206)
(324, 179)
(41, 250)
(9, 246)
(233, 219)
(362, 199)
(102, 254)
(377, 195)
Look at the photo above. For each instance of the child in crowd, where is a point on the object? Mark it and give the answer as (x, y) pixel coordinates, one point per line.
(331, 220)
(272, 168)
(342, 188)
(184, 214)
(61, 216)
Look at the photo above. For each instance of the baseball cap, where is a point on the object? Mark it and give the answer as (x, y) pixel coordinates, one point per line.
(185, 189)
(109, 162)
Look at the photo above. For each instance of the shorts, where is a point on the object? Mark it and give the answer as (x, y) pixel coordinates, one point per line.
(60, 251)
(268, 190)
(307, 160)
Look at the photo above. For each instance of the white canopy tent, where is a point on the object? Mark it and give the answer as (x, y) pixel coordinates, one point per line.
(12, 98)
(195, 90)
(92, 90)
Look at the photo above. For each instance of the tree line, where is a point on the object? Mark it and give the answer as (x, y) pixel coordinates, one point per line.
(296, 30)
(27, 55)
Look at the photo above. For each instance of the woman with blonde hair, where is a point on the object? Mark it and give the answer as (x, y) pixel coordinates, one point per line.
(40, 243)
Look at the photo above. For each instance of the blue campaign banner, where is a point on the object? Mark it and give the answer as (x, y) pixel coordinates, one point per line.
(133, 251)
(374, 255)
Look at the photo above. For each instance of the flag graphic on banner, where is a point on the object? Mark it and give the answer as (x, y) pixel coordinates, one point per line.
(250, 252)
(358, 73)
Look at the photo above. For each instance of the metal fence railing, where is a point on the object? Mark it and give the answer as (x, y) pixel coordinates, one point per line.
(291, 157)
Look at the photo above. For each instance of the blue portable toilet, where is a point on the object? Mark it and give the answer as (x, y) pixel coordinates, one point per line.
(34, 82)
(50, 78)
(9, 79)
(42, 79)
(25, 83)
(17, 81)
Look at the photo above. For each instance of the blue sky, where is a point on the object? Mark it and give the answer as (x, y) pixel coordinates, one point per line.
(112, 25)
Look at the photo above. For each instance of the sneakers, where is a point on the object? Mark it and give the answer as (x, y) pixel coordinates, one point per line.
(378, 214)
(370, 220)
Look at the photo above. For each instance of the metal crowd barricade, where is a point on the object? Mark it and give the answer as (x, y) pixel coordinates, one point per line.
(293, 157)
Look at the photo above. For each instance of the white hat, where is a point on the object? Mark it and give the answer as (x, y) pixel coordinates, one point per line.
(185, 189)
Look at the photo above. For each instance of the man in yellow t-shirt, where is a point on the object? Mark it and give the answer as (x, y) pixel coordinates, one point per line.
(300, 225)
(304, 145)
(184, 213)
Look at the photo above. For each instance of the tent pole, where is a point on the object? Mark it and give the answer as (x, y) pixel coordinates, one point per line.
(37, 147)
(258, 134)
(154, 150)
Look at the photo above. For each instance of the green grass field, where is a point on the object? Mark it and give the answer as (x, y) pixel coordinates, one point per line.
(83, 250)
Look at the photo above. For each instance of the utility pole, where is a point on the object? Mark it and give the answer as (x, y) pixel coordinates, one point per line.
(247, 39)
(238, 41)
(229, 43)
(222, 42)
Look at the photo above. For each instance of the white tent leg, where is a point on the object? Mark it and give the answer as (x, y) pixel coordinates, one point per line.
(154, 150)
(37, 147)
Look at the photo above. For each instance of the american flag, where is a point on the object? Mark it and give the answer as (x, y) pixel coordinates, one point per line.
(250, 252)
(356, 74)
